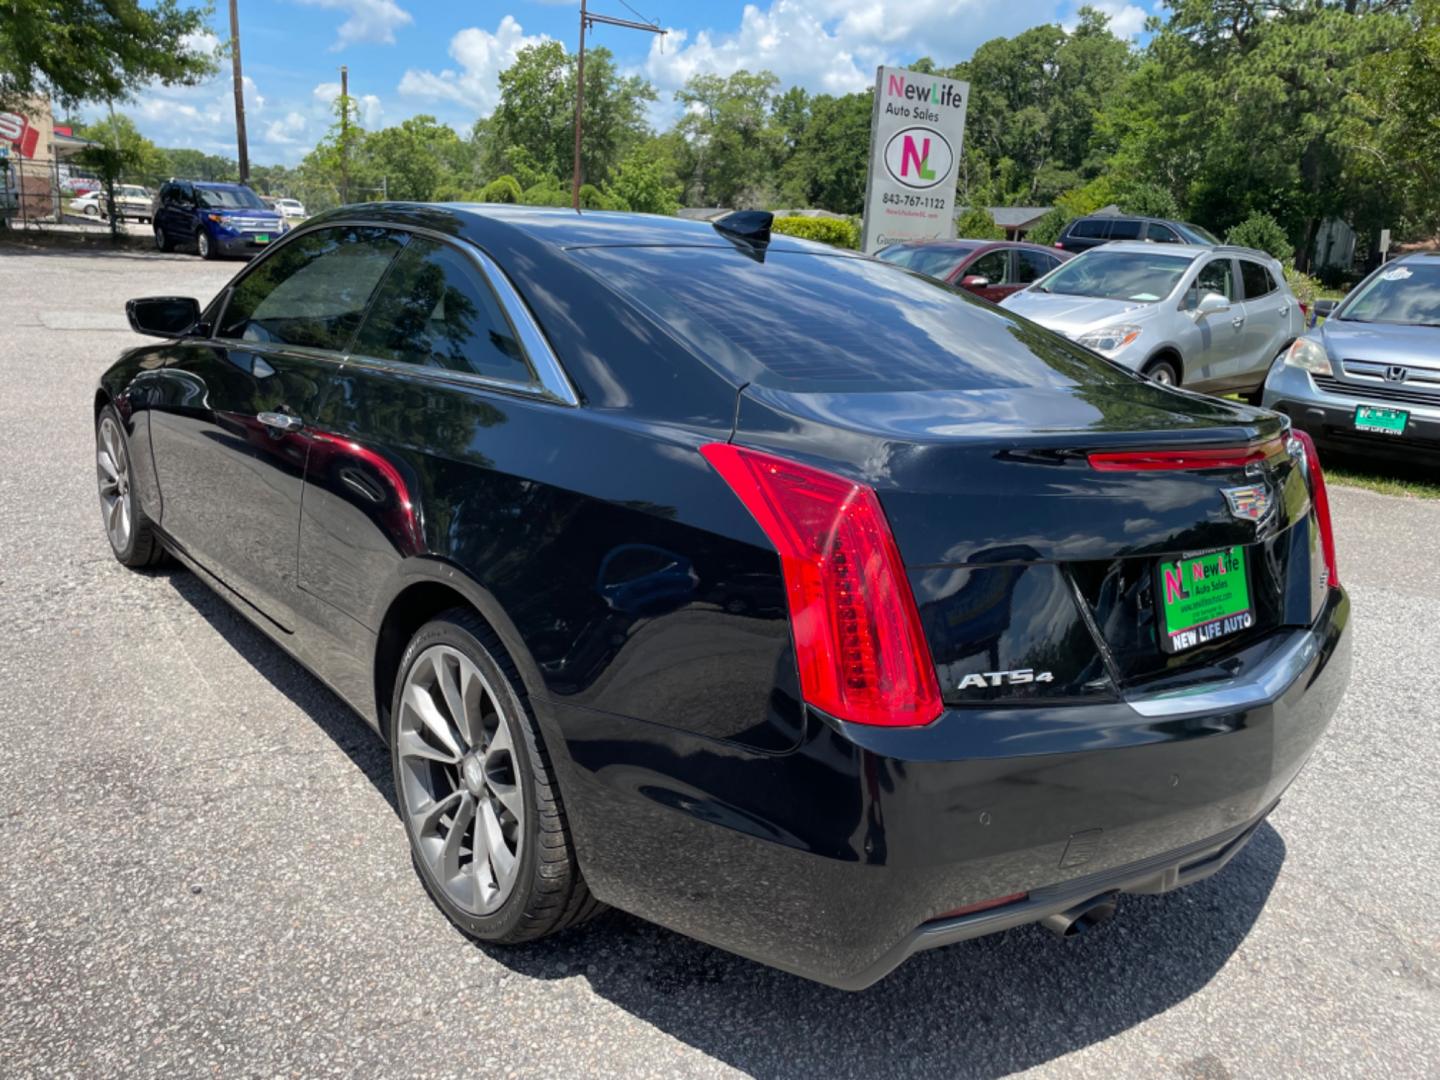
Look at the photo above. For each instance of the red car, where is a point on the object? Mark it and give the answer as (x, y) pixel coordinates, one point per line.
(990, 268)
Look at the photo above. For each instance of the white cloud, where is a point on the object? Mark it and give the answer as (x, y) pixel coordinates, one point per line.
(369, 105)
(287, 131)
(834, 46)
(1126, 20)
(481, 56)
(370, 20)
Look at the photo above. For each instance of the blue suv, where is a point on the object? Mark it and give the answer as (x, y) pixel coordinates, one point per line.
(214, 219)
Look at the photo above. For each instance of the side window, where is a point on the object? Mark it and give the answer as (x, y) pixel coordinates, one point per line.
(1257, 279)
(1032, 265)
(1089, 228)
(313, 291)
(435, 309)
(994, 265)
(1121, 229)
(1161, 234)
(1218, 275)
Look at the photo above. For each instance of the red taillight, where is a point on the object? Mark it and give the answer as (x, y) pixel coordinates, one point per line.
(1231, 457)
(859, 645)
(1059, 245)
(1321, 499)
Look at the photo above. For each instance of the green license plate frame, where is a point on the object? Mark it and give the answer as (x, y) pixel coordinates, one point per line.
(1202, 598)
(1377, 420)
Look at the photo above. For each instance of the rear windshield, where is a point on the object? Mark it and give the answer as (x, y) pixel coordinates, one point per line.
(1197, 235)
(936, 262)
(808, 322)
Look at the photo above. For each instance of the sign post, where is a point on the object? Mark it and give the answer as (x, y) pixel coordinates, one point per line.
(917, 133)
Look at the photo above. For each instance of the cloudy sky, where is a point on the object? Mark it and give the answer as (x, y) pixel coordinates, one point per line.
(423, 56)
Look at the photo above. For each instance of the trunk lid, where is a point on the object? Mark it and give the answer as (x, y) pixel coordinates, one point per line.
(1027, 561)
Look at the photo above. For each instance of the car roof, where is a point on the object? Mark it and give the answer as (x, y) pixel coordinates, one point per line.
(558, 228)
(1184, 251)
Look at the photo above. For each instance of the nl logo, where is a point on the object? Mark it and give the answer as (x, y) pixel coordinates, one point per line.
(918, 157)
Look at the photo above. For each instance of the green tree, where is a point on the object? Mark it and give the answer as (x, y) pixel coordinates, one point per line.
(416, 157)
(533, 128)
(828, 163)
(733, 148)
(99, 50)
(140, 160)
(641, 184)
(1241, 107)
(975, 223)
(197, 165)
(1394, 128)
(503, 189)
(1263, 233)
(338, 170)
(1035, 101)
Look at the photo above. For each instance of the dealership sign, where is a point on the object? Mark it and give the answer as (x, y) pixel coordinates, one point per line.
(917, 130)
(16, 129)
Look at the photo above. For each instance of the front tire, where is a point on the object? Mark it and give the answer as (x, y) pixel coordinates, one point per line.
(475, 788)
(203, 245)
(131, 534)
(1164, 372)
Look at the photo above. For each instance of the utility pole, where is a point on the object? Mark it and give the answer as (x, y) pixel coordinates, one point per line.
(240, 142)
(344, 133)
(588, 21)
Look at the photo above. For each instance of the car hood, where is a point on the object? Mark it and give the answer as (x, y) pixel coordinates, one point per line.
(1073, 315)
(1383, 343)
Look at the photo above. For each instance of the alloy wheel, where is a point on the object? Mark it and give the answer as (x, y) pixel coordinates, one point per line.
(113, 475)
(1163, 375)
(460, 779)
(202, 242)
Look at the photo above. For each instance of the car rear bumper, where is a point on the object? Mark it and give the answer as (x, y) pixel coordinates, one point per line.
(1329, 417)
(839, 859)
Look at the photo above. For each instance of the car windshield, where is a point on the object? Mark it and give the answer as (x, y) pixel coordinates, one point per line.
(1197, 235)
(936, 262)
(812, 323)
(1408, 294)
(229, 198)
(135, 192)
(1142, 276)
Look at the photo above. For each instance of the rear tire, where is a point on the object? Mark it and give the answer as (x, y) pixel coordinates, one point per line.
(162, 241)
(1165, 372)
(131, 534)
(510, 873)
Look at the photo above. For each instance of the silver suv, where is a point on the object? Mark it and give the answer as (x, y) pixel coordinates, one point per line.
(1211, 318)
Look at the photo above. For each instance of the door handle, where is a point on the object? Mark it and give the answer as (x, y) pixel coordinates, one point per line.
(1284, 310)
(280, 421)
(1238, 321)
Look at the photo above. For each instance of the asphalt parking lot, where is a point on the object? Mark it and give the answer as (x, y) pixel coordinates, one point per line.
(203, 872)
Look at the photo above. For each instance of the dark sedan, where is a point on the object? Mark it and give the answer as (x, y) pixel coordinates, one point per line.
(992, 269)
(788, 599)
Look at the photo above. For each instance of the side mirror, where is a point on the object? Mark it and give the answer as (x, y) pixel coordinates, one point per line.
(163, 316)
(974, 281)
(1211, 303)
(1324, 308)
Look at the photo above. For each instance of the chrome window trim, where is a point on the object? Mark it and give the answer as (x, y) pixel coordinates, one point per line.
(552, 383)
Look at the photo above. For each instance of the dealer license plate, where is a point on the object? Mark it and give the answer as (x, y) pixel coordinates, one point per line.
(1380, 421)
(262, 238)
(1203, 598)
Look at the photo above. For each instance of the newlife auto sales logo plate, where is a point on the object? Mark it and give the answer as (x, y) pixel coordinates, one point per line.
(917, 133)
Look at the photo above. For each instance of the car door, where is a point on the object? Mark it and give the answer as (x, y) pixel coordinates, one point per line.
(994, 267)
(1215, 359)
(1158, 233)
(229, 428)
(438, 391)
(1267, 320)
(1030, 265)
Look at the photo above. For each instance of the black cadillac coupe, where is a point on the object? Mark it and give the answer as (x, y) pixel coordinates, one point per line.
(773, 593)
